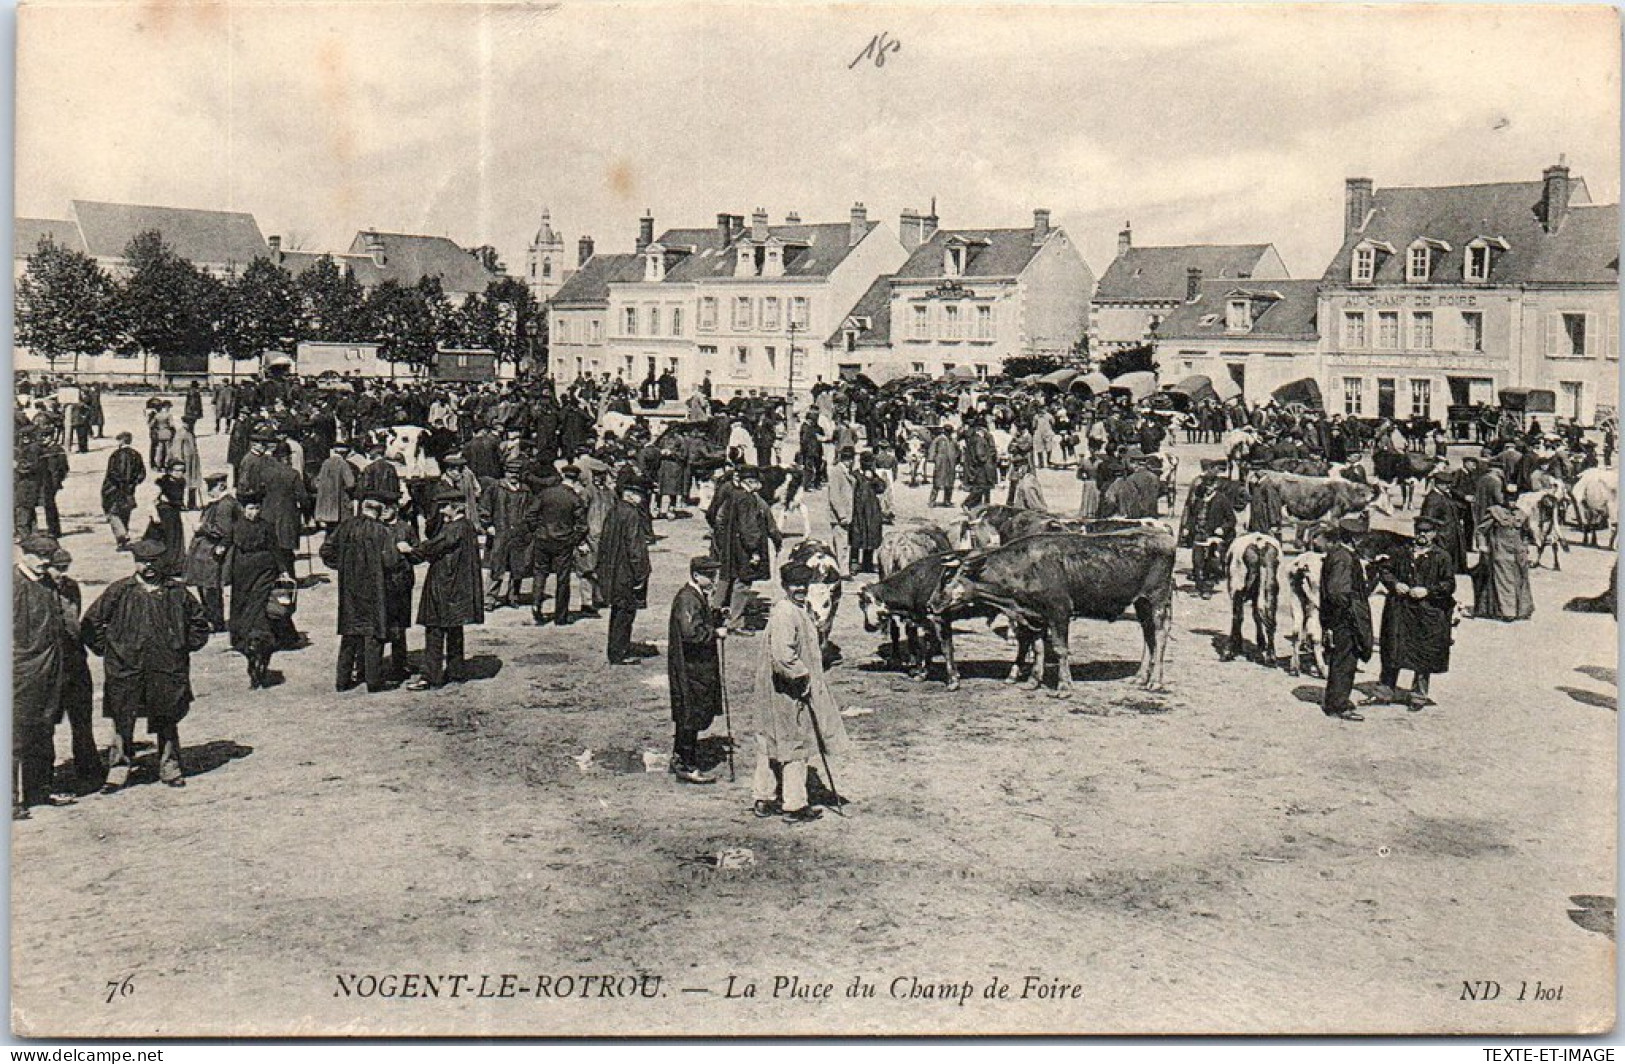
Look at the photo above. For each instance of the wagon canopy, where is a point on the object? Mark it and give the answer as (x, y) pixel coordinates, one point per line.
(1529, 400)
(1093, 383)
(1138, 385)
(1304, 392)
(1194, 389)
(1061, 378)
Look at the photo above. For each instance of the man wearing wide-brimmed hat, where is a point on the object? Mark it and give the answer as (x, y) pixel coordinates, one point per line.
(1416, 615)
(693, 667)
(453, 593)
(623, 568)
(38, 667)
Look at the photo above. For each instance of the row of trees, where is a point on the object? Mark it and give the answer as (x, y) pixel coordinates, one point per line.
(160, 304)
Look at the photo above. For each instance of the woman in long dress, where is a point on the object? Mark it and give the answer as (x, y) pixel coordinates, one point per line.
(1501, 584)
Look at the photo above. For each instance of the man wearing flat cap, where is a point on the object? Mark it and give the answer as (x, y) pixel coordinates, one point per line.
(453, 593)
(145, 628)
(623, 567)
(125, 472)
(556, 523)
(693, 667)
(363, 553)
(1421, 586)
(77, 702)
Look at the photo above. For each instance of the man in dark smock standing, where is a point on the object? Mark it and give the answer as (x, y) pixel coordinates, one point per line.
(145, 628)
(362, 551)
(693, 668)
(1421, 586)
(453, 590)
(623, 568)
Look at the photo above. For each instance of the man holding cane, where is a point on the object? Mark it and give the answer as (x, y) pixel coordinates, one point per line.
(797, 719)
(694, 669)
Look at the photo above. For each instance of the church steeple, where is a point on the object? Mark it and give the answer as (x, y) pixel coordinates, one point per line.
(546, 265)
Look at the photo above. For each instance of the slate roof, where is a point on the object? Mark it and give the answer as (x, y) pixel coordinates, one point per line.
(1585, 244)
(26, 233)
(589, 285)
(874, 304)
(1160, 272)
(202, 237)
(993, 253)
(1292, 317)
(812, 251)
(409, 257)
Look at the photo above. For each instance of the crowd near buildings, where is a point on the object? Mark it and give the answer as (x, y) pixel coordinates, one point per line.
(1436, 297)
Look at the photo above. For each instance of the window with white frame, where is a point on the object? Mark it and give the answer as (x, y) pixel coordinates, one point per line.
(708, 313)
(1353, 396)
(651, 313)
(921, 329)
(1419, 263)
(741, 312)
(917, 368)
(1388, 329)
(1477, 266)
(772, 354)
(800, 311)
(1572, 398)
(981, 370)
(1354, 328)
(1472, 330)
(597, 326)
(708, 351)
(1238, 315)
(1365, 264)
(984, 321)
(741, 367)
(677, 321)
(1422, 330)
(953, 261)
(1571, 336)
(950, 322)
(1422, 398)
(770, 312)
(629, 321)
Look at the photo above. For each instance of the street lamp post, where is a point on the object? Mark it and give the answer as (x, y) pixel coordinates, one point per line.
(790, 387)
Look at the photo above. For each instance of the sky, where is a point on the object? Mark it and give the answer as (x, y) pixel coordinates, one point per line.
(1222, 123)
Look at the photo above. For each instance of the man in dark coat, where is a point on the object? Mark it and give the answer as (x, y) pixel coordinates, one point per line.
(379, 476)
(944, 456)
(623, 568)
(1421, 586)
(745, 534)
(557, 523)
(362, 550)
(77, 702)
(693, 667)
(145, 628)
(575, 426)
(453, 593)
(1345, 616)
(1440, 506)
(981, 465)
(286, 497)
(38, 666)
(53, 473)
(483, 455)
(125, 471)
(505, 506)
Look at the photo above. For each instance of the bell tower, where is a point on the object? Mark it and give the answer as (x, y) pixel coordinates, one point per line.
(546, 266)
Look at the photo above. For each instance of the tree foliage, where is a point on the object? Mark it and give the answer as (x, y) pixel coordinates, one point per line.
(262, 313)
(1129, 360)
(504, 318)
(66, 303)
(489, 258)
(404, 327)
(333, 305)
(168, 307)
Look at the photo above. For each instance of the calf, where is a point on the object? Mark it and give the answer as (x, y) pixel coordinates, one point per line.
(1403, 469)
(1253, 565)
(1303, 610)
(905, 596)
(1542, 507)
(1042, 581)
(900, 548)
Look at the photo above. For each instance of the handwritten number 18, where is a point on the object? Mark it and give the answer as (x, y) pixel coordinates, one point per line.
(876, 49)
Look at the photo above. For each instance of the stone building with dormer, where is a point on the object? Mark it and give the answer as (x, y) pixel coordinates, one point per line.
(1443, 296)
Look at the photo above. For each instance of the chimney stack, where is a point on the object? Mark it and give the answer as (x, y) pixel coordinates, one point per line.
(1554, 204)
(758, 224)
(724, 228)
(792, 218)
(860, 225)
(1357, 196)
(646, 229)
(736, 224)
(910, 226)
(1193, 283)
(1040, 225)
(275, 244)
(375, 246)
(1125, 239)
(583, 250)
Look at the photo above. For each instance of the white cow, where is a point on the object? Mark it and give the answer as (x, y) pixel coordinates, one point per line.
(1303, 610)
(1596, 500)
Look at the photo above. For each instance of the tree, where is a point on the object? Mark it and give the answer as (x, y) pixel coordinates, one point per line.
(66, 304)
(333, 305)
(504, 318)
(489, 258)
(1026, 365)
(1129, 360)
(168, 307)
(262, 312)
(402, 324)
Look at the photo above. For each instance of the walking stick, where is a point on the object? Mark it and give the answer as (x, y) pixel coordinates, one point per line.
(823, 755)
(727, 717)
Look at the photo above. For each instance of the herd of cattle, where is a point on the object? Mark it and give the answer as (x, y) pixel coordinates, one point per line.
(1037, 571)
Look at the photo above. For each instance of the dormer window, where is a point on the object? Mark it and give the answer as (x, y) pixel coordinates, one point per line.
(1480, 258)
(953, 261)
(654, 265)
(1419, 264)
(1363, 269)
(773, 260)
(1238, 315)
(1420, 257)
(745, 261)
(1365, 264)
